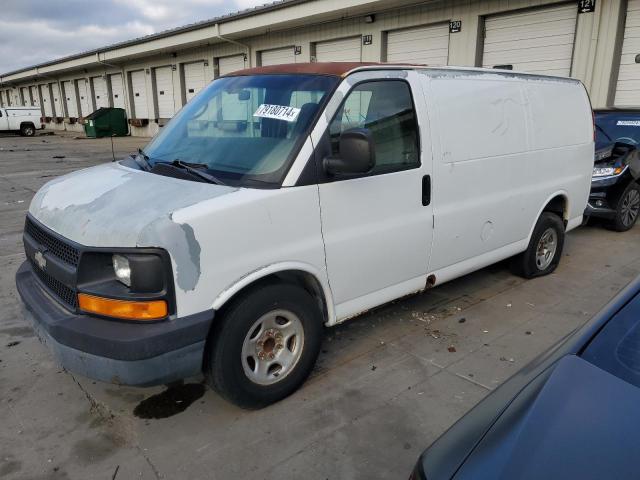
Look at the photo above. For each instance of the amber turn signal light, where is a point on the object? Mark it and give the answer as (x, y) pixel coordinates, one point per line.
(123, 309)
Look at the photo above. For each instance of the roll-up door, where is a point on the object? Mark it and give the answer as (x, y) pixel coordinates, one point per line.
(117, 90)
(57, 100)
(46, 100)
(35, 98)
(139, 94)
(277, 56)
(427, 45)
(24, 94)
(536, 41)
(70, 98)
(230, 64)
(343, 50)
(628, 85)
(194, 79)
(16, 96)
(100, 93)
(164, 92)
(85, 100)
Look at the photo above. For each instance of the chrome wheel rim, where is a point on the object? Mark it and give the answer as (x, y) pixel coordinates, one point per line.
(546, 250)
(272, 347)
(630, 208)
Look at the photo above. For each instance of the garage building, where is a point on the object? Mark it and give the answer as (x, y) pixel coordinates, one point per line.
(596, 41)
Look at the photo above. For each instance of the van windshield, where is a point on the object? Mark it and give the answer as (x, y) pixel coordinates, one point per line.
(244, 130)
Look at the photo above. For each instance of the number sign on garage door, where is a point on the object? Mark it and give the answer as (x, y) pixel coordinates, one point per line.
(628, 86)
(139, 94)
(536, 41)
(194, 79)
(70, 98)
(117, 90)
(277, 56)
(230, 64)
(101, 96)
(427, 45)
(343, 50)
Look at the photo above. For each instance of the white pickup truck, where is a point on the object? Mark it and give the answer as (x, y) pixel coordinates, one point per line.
(285, 198)
(24, 120)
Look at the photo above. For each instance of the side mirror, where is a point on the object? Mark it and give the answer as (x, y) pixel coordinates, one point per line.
(356, 154)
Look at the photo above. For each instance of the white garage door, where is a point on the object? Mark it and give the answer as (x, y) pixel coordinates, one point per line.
(101, 96)
(230, 64)
(628, 86)
(194, 79)
(139, 93)
(35, 98)
(343, 50)
(57, 100)
(535, 41)
(85, 100)
(24, 94)
(427, 45)
(117, 90)
(164, 92)
(70, 98)
(46, 100)
(277, 56)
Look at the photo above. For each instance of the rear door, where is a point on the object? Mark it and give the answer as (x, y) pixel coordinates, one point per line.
(377, 227)
(139, 94)
(341, 50)
(194, 79)
(117, 90)
(164, 92)
(70, 98)
(427, 45)
(100, 93)
(230, 64)
(85, 99)
(277, 56)
(4, 121)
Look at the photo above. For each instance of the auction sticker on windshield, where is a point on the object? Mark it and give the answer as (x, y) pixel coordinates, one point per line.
(277, 112)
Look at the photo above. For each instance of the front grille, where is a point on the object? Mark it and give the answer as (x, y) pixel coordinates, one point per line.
(59, 289)
(52, 244)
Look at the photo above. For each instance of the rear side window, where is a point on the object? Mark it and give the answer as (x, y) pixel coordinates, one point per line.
(386, 109)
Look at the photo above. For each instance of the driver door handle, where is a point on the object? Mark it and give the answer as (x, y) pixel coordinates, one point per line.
(426, 190)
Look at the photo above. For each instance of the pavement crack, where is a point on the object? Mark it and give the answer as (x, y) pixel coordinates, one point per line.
(99, 408)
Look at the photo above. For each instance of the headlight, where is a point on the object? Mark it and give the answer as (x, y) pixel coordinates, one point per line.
(607, 171)
(122, 269)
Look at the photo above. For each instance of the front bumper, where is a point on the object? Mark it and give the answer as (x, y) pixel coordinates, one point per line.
(140, 354)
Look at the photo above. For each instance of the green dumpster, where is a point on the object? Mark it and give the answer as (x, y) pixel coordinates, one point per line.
(106, 122)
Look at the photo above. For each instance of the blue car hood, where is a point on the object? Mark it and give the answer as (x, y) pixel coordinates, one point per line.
(583, 423)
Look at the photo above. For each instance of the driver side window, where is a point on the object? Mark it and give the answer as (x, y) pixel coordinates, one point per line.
(385, 108)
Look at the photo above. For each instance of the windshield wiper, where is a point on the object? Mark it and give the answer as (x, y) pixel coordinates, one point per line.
(194, 169)
(142, 159)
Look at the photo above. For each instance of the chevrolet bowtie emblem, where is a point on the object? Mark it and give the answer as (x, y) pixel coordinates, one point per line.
(40, 260)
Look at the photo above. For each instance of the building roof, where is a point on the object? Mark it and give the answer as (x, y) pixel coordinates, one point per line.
(166, 33)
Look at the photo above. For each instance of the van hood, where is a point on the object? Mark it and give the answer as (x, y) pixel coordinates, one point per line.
(112, 205)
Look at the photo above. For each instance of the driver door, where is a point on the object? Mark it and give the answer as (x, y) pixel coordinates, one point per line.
(377, 227)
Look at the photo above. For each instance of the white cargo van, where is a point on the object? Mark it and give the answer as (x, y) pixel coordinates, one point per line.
(20, 119)
(282, 199)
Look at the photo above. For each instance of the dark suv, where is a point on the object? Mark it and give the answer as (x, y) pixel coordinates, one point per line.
(615, 191)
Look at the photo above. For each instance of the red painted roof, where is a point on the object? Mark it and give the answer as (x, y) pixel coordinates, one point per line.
(317, 68)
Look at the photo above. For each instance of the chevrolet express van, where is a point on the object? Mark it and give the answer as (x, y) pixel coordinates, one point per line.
(284, 199)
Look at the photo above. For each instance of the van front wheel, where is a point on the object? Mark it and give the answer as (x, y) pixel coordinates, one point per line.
(265, 345)
(545, 248)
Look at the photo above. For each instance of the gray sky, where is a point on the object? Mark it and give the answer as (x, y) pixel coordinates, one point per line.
(34, 31)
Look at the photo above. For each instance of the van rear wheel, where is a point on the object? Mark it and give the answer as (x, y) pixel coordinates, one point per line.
(264, 346)
(545, 248)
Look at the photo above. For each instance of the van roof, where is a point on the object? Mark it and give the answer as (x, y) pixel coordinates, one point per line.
(342, 69)
(338, 69)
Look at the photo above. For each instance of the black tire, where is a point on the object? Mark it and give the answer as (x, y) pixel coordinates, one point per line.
(526, 264)
(627, 209)
(223, 363)
(27, 130)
